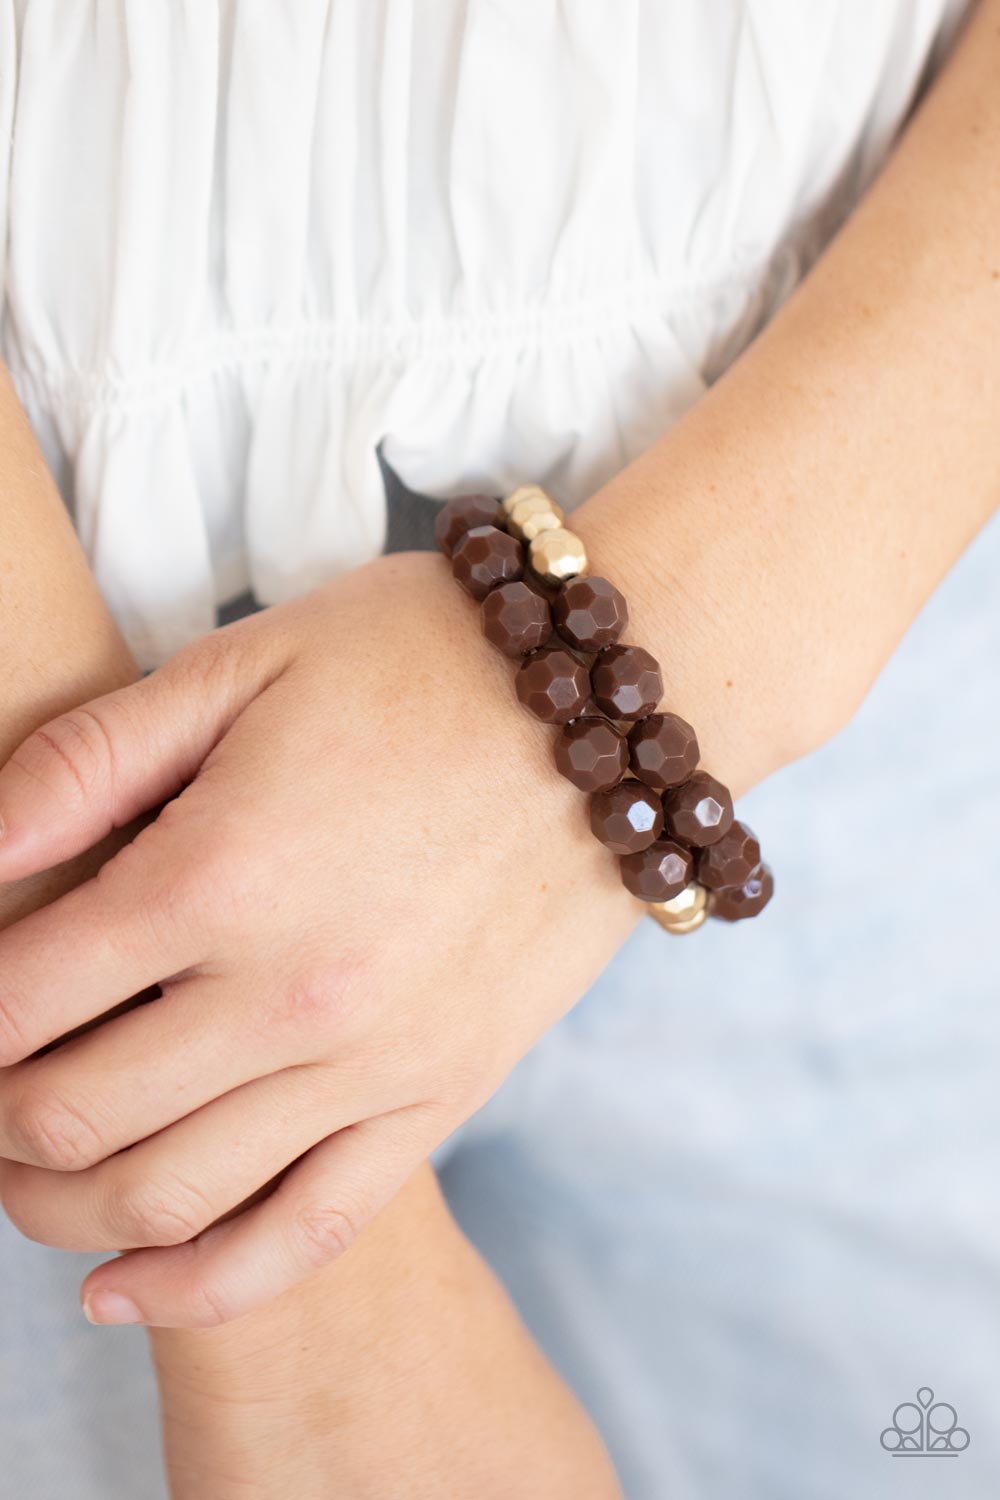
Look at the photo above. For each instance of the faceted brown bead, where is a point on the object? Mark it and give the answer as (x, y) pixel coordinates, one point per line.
(746, 900)
(590, 613)
(458, 516)
(592, 754)
(627, 682)
(663, 750)
(628, 818)
(731, 860)
(484, 557)
(516, 619)
(700, 811)
(658, 873)
(553, 684)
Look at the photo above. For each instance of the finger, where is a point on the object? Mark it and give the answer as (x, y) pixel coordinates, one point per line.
(174, 1185)
(311, 1217)
(139, 1073)
(137, 922)
(97, 767)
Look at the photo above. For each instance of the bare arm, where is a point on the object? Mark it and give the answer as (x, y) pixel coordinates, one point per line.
(778, 542)
(60, 645)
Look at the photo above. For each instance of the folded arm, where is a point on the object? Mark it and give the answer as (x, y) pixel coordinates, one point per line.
(773, 546)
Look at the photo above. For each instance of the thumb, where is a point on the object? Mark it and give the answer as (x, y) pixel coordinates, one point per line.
(97, 767)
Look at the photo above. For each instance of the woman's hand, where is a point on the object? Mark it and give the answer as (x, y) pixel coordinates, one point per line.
(368, 896)
(406, 1358)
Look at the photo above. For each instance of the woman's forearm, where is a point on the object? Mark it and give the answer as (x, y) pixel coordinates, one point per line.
(60, 645)
(779, 540)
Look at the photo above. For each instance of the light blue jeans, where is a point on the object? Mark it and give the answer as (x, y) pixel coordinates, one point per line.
(745, 1195)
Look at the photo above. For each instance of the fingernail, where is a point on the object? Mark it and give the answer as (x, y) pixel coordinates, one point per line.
(110, 1307)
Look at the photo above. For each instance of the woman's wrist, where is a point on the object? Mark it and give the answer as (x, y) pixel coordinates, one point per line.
(710, 588)
(279, 1402)
(402, 1363)
(681, 850)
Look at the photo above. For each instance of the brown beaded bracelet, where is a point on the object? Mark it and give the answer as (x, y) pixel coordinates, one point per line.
(671, 825)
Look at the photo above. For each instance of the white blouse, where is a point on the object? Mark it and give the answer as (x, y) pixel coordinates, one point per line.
(247, 241)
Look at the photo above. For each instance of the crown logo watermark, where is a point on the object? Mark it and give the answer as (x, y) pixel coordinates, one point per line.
(925, 1429)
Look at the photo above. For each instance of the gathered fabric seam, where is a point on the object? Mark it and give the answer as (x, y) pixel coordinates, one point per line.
(356, 341)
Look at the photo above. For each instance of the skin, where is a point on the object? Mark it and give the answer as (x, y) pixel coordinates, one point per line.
(405, 1363)
(398, 1373)
(52, 658)
(337, 789)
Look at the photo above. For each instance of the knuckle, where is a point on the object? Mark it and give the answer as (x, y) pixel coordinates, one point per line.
(194, 872)
(211, 1307)
(223, 878)
(325, 1231)
(209, 665)
(152, 1213)
(169, 897)
(322, 1000)
(54, 1133)
(120, 877)
(73, 753)
(178, 894)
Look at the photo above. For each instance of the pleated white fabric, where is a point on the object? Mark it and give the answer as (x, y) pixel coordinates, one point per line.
(247, 241)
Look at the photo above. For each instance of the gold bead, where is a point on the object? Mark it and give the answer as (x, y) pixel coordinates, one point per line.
(557, 555)
(524, 492)
(533, 515)
(685, 912)
(544, 520)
